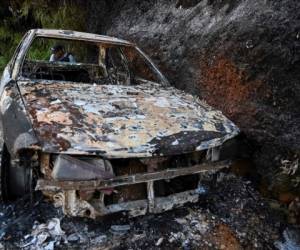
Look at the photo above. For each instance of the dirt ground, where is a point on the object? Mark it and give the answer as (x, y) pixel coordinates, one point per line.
(229, 215)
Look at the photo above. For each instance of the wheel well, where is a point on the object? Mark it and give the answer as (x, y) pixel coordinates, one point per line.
(5, 159)
(16, 175)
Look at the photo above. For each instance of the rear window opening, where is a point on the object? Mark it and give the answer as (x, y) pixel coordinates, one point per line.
(87, 62)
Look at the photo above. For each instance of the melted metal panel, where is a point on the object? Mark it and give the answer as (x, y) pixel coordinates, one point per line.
(17, 130)
(122, 121)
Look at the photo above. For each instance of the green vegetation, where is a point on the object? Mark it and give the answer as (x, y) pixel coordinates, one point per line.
(83, 52)
(16, 17)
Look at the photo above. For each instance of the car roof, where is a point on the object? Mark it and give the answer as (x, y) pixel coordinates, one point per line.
(76, 35)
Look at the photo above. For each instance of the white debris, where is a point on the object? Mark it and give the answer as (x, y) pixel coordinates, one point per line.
(181, 220)
(201, 190)
(176, 237)
(119, 229)
(174, 143)
(289, 167)
(202, 227)
(45, 236)
(83, 238)
(160, 240)
(291, 240)
(99, 240)
(42, 237)
(73, 237)
(49, 246)
(28, 242)
(138, 236)
(57, 101)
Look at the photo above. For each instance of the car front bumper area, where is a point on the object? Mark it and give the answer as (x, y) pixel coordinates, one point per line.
(87, 198)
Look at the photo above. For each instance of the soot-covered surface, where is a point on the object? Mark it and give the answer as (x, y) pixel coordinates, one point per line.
(241, 56)
(230, 215)
(78, 118)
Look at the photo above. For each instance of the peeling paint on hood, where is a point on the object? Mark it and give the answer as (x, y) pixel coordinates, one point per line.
(119, 121)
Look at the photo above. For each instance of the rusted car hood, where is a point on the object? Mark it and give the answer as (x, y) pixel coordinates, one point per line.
(121, 121)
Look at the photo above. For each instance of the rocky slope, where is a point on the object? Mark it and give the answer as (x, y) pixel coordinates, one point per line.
(241, 56)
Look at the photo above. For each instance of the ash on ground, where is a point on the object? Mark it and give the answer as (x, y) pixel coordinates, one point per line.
(229, 215)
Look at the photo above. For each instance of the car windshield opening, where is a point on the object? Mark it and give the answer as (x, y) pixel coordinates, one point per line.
(87, 62)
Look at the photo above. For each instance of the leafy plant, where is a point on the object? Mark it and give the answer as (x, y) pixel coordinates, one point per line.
(17, 16)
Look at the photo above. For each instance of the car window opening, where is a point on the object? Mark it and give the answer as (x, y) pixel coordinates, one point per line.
(87, 62)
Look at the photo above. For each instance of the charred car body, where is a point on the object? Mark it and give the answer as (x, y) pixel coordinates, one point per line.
(107, 134)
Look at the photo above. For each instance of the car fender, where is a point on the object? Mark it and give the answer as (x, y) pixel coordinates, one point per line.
(16, 127)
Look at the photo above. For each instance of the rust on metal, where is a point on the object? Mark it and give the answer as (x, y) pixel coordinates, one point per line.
(65, 192)
(108, 120)
(45, 165)
(52, 185)
(102, 138)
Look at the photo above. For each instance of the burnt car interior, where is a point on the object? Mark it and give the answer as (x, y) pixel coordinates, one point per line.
(98, 63)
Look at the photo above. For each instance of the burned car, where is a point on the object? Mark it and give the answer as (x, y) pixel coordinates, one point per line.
(104, 134)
